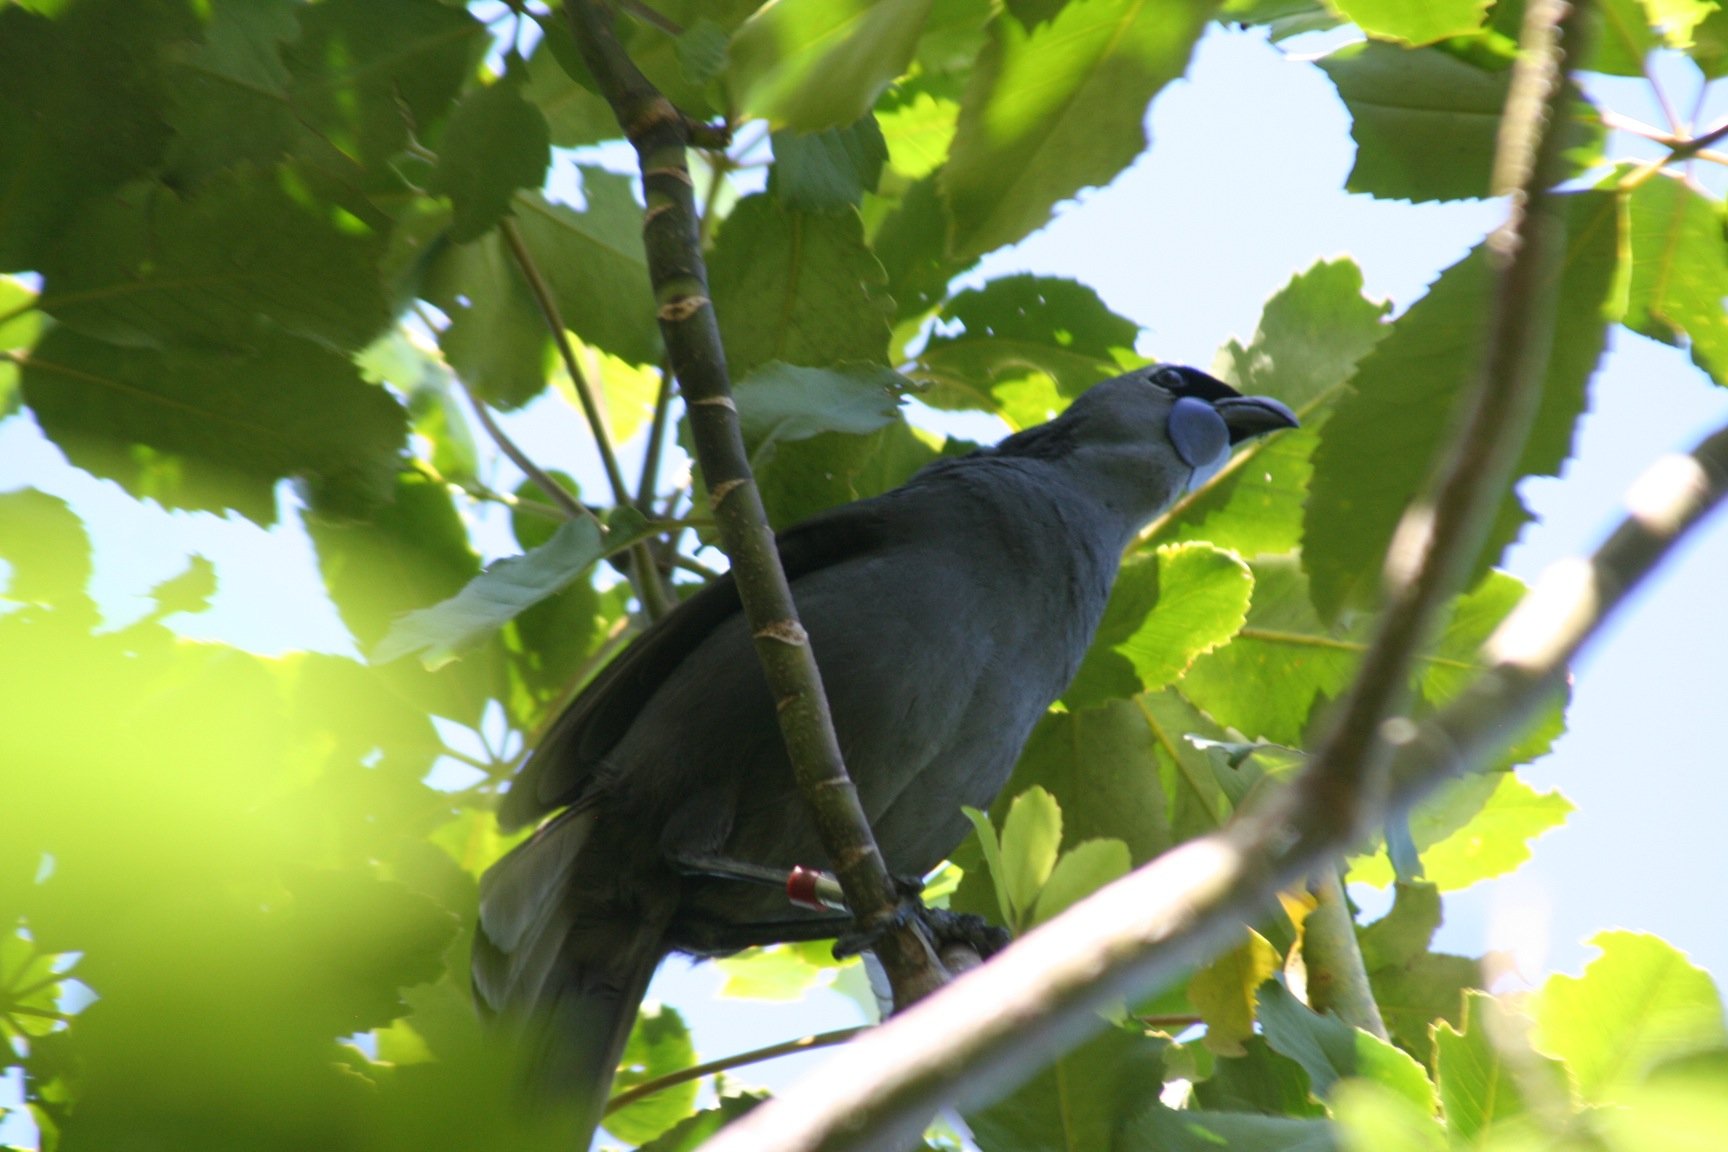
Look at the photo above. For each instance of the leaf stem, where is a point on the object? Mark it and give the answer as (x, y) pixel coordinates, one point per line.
(554, 491)
(727, 1063)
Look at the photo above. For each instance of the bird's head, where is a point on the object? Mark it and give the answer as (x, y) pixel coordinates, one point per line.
(1138, 441)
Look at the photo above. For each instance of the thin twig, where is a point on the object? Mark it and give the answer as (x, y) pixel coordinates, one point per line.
(650, 477)
(647, 574)
(554, 491)
(652, 16)
(542, 292)
(727, 1063)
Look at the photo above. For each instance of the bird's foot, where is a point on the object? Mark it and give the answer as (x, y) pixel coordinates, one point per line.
(947, 931)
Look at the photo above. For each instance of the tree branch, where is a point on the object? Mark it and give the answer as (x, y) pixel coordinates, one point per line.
(993, 1027)
(1437, 541)
(661, 136)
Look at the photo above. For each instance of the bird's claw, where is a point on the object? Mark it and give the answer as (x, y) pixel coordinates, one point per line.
(944, 929)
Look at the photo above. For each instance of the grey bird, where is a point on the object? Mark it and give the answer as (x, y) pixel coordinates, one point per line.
(945, 615)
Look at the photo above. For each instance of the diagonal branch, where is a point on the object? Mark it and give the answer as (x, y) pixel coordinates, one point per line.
(1437, 541)
(662, 135)
(996, 1025)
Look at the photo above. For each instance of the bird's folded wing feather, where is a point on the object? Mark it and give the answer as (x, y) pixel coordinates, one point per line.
(595, 721)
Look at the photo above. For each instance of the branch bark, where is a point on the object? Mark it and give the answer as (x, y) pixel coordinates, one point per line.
(661, 135)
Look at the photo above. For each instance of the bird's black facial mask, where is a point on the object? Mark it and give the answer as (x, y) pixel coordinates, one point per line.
(1209, 418)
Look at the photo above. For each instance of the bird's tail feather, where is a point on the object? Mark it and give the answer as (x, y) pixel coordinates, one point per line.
(563, 973)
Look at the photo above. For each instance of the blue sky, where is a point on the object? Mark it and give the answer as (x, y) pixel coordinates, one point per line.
(1243, 188)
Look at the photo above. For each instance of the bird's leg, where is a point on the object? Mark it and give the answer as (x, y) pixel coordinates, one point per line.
(946, 929)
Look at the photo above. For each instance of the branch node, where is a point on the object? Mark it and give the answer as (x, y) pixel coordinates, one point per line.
(675, 171)
(788, 632)
(682, 308)
(722, 490)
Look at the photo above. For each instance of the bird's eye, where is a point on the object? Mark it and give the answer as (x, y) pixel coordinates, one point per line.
(1167, 378)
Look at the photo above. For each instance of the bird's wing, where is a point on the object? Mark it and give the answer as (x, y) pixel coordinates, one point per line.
(554, 773)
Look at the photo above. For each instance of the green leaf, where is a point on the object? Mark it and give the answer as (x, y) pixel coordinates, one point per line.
(1024, 347)
(918, 133)
(1164, 611)
(827, 171)
(20, 325)
(1415, 23)
(1124, 772)
(1030, 837)
(1162, 1129)
(244, 255)
(1376, 450)
(910, 243)
(596, 265)
(1223, 990)
(1472, 830)
(414, 552)
(1638, 1004)
(1074, 1104)
(1709, 48)
(1331, 1051)
(1312, 333)
(1623, 39)
(1483, 1070)
(1679, 271)
(228, 101)
(1371, 1116)
(202, 428)
(492, 599)
(1057, 108)
(991, 850)
(781, 402)
(659, 1044)
(190, 591)
(764, 274)
(1425, 121)
(1684, 1105)
(1267, 680)
(496, 340)
(815, 64)
(65, 138)
(495, 143)
(1081, 871)
(1260, 1080)
(47, 554)
(366, 71)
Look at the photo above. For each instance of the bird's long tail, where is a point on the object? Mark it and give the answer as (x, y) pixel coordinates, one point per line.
(558, 965)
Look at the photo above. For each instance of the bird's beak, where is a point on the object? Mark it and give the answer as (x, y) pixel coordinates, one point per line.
(1251, 416)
